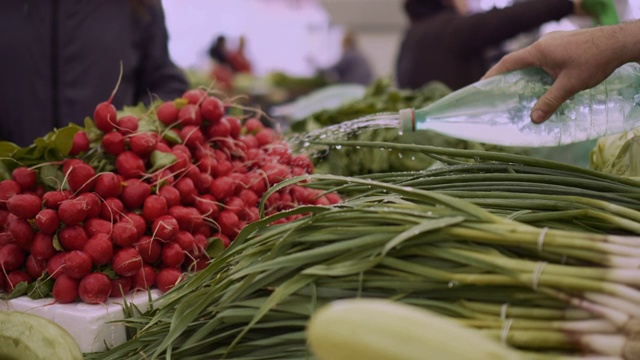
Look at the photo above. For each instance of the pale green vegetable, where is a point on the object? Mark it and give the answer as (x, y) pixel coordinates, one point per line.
(28, 336)
(377, 329)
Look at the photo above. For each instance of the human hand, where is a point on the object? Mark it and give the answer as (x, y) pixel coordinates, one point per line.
(577, 60)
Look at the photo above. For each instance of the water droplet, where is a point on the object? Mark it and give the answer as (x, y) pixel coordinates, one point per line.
(452, 283)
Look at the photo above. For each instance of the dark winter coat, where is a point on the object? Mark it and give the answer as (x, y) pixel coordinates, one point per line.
(60, 58)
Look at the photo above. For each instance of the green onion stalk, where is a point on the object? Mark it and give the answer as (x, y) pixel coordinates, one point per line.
(550, 292)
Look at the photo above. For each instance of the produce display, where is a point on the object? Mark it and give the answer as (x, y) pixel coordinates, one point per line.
(539, 255)
(136, 202)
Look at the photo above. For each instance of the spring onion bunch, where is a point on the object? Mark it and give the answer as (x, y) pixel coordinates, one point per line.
(541, 256)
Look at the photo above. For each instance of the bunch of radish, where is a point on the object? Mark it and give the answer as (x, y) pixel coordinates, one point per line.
(194, 178)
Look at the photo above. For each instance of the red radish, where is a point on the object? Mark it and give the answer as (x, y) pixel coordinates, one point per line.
(42, 246)
(165, 228)
(65, 290)
(235, 204)
(167, 113)
(186, 241)
(190, 115)
(224, 168)
(81, 177)
(143, 143)
(207, 164)
(130, 165)
(302, 161)
(138, 222)
(112, 209)
(333, 198)
(212, 109)
(235, 125)
(201, 244)
(188, 217)
(253, 125)
(194, 96)
(55, 265)
(100, 248)
(149, 250)
(322, 201)
(207, 205)
(144, 278)
(126, 261)
(8, 188)
(124, 233)
(120, 286)
(276, 172)
(94, 288)
(52, 199)
(21, 231)
(25, 177)
(182, 162)
(223, 187)
(39, 190)
(4, 214)
(108, 184)
(134, 193)
(69, 163)
(265, 136)
(127, 124)
(170, 194)
(228, 222)
(95, 226)
(114, 143)
(5, 238)
(187, 190)
(197, 264)
(192, 136)
(256, 183)
(78, 264)
(11, 257)
(219, 130)
(203, 183)
(167, 278)
(203, 229)
(16, 277)
(224, 238)
(35, 268)
(72, 237)
(154, 206)
(250, 215)
(25, 206)
(249, 197)
(47, 221)
(72, 211)
(249, 141)
(172, 255)
(92, 204)
(80, 143)
(105, 116)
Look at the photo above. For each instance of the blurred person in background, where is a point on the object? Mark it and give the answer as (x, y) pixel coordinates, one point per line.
(352, 67)
(222, 71)
(61, 58)
(446, 42)
(238, 58)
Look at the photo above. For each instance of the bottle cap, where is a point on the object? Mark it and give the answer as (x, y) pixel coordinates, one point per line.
(407, 120)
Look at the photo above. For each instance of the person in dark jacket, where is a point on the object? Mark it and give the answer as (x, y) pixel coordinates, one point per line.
(61, 58)
(446, 43)
(352, 67)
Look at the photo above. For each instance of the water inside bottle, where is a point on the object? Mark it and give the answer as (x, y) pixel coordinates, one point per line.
(497, 110)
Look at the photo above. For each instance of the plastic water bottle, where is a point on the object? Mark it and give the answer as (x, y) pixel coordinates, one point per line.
(497, 110)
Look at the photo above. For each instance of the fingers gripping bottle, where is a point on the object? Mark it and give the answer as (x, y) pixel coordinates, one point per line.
(497, 110)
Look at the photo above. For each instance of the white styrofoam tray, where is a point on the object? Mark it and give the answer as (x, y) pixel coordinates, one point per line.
(94, 327)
